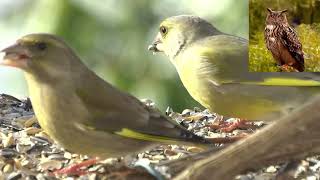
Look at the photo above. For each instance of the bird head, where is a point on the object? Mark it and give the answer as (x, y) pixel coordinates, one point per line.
(276, 17)
(177, 32)
(42, 55)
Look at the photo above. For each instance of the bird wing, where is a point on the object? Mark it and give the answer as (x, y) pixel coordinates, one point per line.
(290, 40)
(267, 34)
(113, 111)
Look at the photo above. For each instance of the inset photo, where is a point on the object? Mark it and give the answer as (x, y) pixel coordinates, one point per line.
(284, 36)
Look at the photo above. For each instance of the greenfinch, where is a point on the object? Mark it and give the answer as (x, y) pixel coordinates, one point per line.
(81, 111)
(213, 67)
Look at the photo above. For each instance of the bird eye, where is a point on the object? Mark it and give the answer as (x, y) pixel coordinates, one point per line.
(163, 30)
(41, 46)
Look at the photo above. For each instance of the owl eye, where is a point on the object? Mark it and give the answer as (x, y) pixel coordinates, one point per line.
(41, 46)
(163, 30)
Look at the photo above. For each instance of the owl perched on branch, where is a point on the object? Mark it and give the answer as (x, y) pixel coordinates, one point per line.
(282, 41)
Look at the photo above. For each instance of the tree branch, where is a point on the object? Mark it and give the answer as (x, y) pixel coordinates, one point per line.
(290, 138)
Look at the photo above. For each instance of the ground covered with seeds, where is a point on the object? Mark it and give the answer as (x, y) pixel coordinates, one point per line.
(27, 152)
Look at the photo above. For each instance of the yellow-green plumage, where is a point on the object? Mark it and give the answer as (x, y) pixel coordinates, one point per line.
(213, 66)
(81, 111)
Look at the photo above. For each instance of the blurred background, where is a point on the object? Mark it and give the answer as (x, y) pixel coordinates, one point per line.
(303, 15)
(112, 37)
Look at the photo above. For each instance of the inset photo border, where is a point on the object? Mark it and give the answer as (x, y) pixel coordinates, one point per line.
(284, 36)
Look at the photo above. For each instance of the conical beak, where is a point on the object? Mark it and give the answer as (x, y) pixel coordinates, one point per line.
(15, 56)
(156, 46)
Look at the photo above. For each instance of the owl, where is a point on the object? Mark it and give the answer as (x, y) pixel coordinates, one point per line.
(282, 41)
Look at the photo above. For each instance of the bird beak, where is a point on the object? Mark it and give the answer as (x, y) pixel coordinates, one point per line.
(15, 56)
(157, 45)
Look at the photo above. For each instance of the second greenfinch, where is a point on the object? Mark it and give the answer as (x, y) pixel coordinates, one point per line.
(81, 111)
(213, 66)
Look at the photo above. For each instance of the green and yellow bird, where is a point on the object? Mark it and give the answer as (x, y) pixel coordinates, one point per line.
(81, 111)
(213, 66)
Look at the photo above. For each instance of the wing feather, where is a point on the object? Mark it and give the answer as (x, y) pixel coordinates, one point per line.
(290, 40)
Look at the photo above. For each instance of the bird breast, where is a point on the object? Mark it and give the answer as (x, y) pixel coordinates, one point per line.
(270, 26)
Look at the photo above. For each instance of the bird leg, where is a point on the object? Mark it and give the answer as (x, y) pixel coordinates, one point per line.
(238, 124)
(230, 126)
(76, 169)
(195, 118)
(223, 126)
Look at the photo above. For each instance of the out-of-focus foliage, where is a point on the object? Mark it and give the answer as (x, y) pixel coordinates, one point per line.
(299, 12)
(112, 36)
(304, 15)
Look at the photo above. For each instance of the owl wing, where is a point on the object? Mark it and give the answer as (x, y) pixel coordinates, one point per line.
(290, 40)
(267, 33)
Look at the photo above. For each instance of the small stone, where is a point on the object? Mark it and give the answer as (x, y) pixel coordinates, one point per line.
(109, 161)
(92, 177)
(58, 157)
(169, 111)
(44, 135)
(28, 113)
(158, 157)
(17, 163)
(47, 164)
(21, 148)
(30, 121)
(75, 155)
(95, 168)
(243, 177)
(177, 117)
(311, 178)
(12, 115)
(8, 168)
(196, 118)
(8, 141)
(170, 152)
(26, 163)
(271, 169)
(19, 110)
(84, 157)
(148, 102)
(164, 170)
(316, 167)
(8, 153)
(67, 155)
(39, 140)
(305, 163)
(15, 176)
(194, 149)
(31, 177)
(259, 123)
(186, 112)
(197, 109)
(179, 155)
(32, 130)
(41, 176)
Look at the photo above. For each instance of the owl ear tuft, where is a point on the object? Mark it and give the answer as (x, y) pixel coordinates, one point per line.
(269, 10)
(283, 11)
